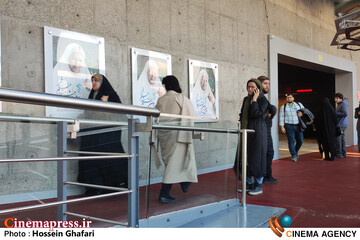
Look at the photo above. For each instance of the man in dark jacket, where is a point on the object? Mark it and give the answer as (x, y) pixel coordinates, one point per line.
(342, 111)
(265, 83)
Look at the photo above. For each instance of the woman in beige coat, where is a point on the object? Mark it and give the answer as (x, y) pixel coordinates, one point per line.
(177, 149)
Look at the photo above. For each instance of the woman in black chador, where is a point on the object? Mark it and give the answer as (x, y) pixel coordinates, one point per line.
(108, 172)
(325, 123)
(253, 114)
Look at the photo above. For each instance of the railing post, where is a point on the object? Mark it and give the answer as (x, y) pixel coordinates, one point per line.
(61, 169)
(243, 163)
(133, 174)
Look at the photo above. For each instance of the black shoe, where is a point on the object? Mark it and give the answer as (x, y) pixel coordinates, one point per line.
(249, 187)
(257, 190)
(185, 186)
(167, 199)
(270, 180)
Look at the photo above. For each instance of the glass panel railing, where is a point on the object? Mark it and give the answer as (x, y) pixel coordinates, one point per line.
(33, 183)
(105, 133)
(27, 183)
(209, 165)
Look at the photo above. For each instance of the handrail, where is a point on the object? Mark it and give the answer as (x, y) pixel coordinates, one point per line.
(11, 95)
(199, 129)
(7, 160)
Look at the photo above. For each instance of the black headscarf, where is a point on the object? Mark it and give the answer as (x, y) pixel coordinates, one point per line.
(171, 83)
(325, 122)
(104, 90)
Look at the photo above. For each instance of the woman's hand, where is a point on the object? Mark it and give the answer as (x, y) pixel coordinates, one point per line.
(256, 95)
(105, 98)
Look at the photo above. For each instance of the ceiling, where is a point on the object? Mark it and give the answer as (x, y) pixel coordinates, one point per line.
(344, 5)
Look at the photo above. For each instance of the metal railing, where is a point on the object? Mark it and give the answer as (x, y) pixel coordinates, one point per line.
(35, 98)
(132, 155)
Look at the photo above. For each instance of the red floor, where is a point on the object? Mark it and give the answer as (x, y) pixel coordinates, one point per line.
(315, 193)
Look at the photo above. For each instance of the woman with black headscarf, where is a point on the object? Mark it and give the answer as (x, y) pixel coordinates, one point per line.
(177, 149)
(325, 123)
(252, 116)
(108, 172)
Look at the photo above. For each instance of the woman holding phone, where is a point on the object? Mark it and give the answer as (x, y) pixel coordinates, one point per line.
(252, 116)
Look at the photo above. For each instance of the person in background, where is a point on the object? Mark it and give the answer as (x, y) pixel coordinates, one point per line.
(342, 112)
(177, 149)
(108, 172)
(265, 83)
(252, 116)
(357, 114)
(290, 125)
(325, 124)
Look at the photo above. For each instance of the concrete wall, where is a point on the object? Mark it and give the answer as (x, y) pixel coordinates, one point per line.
(232, 33)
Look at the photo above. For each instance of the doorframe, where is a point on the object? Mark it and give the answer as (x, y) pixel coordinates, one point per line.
(345, 79)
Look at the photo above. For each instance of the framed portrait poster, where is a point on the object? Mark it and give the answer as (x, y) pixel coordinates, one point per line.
(148, 70)
(203, 77)
(70, 60)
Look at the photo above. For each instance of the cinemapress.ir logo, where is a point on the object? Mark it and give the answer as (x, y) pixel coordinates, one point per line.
(277, 224)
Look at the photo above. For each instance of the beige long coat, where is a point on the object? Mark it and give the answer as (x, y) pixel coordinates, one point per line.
(177, 149)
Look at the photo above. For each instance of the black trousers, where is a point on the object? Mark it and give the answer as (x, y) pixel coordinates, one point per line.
(269, 155)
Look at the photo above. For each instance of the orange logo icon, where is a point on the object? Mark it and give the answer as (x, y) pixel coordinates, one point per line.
(280, 223)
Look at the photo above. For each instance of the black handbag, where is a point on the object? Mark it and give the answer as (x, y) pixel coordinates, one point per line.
(339, 131)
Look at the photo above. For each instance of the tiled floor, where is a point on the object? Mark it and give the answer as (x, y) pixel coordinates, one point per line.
(309, 146)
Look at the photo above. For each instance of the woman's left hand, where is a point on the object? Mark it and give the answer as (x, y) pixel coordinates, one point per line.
(105, 98)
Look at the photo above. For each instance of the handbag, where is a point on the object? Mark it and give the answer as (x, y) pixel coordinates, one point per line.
(339, 131)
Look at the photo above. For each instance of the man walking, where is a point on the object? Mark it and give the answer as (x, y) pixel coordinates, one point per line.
(342, 111)
(265, 82)
(290, 125)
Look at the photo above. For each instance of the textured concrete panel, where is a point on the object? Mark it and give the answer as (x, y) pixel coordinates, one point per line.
(138, 17)
(229, 8)
(198, 3)
(41, 11)
(77, 16)
(117, 68)
(279, 27)
(23, 68)
(179, 26)
(303, 31)
(228, 30)
(213, 5)
(197, 31)
(243, 42)
(110, 18)
(213, 35)
(160, 23)
(180, 70)
(242, 12)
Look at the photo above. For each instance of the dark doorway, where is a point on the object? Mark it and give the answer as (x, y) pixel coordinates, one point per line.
(308, 86)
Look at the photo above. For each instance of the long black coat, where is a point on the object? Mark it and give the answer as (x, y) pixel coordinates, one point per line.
(257, 142)
(109, 172)
(325, 123)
